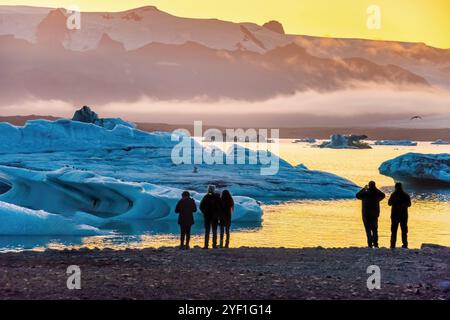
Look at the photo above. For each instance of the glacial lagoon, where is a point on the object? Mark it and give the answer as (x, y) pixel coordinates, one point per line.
(293, 224)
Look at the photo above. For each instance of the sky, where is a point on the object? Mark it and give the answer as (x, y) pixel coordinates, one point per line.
(425, 21)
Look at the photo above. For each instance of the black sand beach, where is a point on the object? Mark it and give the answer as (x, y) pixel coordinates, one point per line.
(243, 273)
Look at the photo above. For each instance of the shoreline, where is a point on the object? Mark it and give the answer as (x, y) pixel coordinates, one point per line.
(241, 273)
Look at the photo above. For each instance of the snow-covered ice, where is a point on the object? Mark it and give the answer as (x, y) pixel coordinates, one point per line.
(419, 168)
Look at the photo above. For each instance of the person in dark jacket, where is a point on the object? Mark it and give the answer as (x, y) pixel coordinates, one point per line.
(225, 218)
(400, 201)
(211, 206)
(185, 209)
(371, 198)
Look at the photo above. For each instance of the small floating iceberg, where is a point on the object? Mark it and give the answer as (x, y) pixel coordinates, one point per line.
(396, 143)
(416, 168)
(441, 142)
(339, 141)
(305, 140)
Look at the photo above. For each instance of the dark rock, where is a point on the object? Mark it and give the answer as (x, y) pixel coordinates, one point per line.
(274, 26)
(85, 114)
(432, 246)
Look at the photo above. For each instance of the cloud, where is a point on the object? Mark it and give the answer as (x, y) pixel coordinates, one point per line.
(363, 106)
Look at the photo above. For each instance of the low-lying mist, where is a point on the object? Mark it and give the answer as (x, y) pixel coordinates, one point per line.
(380, 106)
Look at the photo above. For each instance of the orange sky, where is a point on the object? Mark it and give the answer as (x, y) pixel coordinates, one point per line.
(404, 20)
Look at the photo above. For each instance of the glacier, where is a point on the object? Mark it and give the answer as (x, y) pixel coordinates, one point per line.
(84, 174)
(420, 169)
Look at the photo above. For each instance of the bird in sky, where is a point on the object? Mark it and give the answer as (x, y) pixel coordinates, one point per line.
(416, 118)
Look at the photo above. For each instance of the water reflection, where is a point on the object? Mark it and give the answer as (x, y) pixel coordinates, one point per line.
(126, 234)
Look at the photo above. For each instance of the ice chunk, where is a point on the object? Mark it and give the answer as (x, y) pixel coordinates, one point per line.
(441, 142)
(305, 140)
(17, 220)
(339, 141)
(396, 143)
(419, 168)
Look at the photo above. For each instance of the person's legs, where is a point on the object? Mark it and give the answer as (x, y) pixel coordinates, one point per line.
(368, 229)
(207, 231)
(375, 232)
(222, 230)
(182, 236)
(227, 242)
(188, 236)
(394, 229)
(404, 227)
(214, 224)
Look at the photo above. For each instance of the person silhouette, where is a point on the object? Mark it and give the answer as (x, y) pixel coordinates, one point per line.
(371, 198)
(211, 207)
(185, 209)
(399, 201)
(225, 218)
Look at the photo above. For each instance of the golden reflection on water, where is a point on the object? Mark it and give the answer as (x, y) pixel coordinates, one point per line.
(324, 223)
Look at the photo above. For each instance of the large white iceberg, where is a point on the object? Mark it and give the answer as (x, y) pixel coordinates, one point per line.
(81, 194)
(67, 135)
(136, 156)
(77, 178)
(419, 168)
(396, 143)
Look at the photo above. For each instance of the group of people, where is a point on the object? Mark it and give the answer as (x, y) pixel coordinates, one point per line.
(399, 201)
(217, 211)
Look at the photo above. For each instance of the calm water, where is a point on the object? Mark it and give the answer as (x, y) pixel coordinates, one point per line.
(300, 223)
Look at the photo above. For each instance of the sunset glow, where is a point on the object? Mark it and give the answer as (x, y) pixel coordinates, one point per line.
(402, 20)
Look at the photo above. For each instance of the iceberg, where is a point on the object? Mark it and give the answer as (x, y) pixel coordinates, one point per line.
(78, 178)
(396, 143)
(16, 220)
(421, 169)
(305, 140)
(132, 155)
(441, 142)
(86, 197)
(339, 141)
(67, 135)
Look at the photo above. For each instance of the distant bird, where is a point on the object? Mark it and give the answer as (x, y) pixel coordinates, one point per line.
(416, 118)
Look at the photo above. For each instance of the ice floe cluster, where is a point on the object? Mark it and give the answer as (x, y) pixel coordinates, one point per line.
(75, 175)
